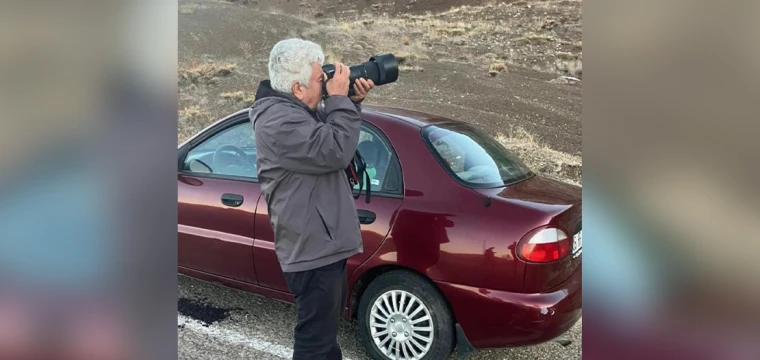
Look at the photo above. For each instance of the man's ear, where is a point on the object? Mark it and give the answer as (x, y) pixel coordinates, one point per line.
(297, 92)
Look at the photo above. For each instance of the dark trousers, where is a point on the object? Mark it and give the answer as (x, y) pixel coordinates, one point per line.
(320, 296)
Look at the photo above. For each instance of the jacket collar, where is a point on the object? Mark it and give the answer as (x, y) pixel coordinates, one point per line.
(265, 91)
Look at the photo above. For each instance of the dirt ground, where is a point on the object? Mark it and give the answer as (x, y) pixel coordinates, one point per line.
(348, 8)
(512, 68)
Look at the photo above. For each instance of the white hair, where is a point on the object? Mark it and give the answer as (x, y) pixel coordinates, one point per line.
(290, 62)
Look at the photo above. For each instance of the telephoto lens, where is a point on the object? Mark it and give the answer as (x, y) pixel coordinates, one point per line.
(382, 69)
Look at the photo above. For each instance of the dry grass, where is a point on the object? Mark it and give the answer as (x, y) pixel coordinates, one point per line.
(572, 67)
(496, 68)
(245, 47)
(235, 96)
(536, 30)
(565, 56)
(187, 9)
(548, 24)
(411, 34)
(405, 58)
(238, 96)
(204, 73)
(540, 158)
(533, 39)
(191, 112)
(410, 68)
(331, 55)
(327, 33)
(190, 120)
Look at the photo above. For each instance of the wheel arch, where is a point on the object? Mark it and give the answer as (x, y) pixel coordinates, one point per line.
(373, 273)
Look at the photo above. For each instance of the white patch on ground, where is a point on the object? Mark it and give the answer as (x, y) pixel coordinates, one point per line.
(235, 338)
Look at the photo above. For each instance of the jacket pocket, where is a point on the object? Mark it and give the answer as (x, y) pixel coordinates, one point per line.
(324, 224)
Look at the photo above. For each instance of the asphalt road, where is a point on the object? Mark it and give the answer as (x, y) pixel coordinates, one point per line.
(215, 322)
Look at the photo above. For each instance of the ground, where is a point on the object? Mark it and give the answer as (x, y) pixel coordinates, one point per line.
(513, 68)
(221, 323)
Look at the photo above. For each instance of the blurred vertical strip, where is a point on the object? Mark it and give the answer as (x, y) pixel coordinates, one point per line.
(671, 180)
(87, 179)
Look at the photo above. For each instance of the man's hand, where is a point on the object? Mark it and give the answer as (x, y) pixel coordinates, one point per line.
(338, 85)
(362, 88)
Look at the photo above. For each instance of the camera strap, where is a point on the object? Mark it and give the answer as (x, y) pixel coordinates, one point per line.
(357, 175)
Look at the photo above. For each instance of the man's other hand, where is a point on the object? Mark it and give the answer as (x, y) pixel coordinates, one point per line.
(362, 87)
(338, 85)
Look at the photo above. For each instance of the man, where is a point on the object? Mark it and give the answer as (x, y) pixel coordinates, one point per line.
(302, 151)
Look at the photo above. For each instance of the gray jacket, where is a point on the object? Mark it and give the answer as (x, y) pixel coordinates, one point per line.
(301, 157)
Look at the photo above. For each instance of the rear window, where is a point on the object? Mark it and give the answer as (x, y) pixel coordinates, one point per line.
(473, 157)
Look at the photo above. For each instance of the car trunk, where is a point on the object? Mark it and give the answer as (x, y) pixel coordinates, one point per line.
(557, 203)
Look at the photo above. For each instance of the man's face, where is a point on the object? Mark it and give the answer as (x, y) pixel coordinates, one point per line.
(313, 94)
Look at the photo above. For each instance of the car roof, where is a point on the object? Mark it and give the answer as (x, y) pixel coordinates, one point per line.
(388, 113)
(413, 117)
(377, 113)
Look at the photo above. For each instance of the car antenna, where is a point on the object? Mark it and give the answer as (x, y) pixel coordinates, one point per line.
(488, 201)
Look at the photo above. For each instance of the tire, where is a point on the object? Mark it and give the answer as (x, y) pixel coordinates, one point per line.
(428, 302)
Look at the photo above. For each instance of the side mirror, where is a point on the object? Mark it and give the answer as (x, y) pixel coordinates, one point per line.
(198, 166)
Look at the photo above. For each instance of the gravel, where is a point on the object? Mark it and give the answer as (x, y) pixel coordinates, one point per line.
(216, 322)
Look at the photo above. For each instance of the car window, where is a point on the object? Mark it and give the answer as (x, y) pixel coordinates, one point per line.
(473, 157)
(232, 152)
(376, 155)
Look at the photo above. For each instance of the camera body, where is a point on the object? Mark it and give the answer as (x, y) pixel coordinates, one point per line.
(381, 69)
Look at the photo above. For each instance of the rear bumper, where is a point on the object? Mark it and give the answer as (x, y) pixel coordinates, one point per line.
(499, 319)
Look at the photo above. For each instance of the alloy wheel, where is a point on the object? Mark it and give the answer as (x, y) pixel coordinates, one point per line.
(401, 326)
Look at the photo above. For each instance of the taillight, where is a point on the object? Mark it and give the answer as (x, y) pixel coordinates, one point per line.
(545, 245)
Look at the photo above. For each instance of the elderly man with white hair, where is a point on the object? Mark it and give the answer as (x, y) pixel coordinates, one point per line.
(302, 151)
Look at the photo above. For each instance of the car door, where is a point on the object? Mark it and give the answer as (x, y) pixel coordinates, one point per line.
(217, 195)
(375, 217)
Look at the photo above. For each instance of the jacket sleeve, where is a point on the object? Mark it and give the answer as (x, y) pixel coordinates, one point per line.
(304, 145)
(322, 111)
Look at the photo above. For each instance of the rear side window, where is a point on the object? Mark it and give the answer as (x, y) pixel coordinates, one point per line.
(376, 155)
(473, 157)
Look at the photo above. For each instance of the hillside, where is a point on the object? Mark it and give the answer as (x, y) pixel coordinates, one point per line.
(499, 65)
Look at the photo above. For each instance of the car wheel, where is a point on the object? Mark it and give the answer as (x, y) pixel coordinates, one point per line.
(403, 316)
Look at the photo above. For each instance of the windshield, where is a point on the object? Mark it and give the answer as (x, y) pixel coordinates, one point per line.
(473, 157)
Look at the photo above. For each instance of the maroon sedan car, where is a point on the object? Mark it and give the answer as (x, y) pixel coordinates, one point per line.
(464, 246)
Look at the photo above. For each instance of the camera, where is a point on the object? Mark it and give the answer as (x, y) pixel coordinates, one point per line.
(382, 69)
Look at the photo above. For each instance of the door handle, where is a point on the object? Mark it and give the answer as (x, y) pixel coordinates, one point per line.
(366, 216)
(233, 200)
